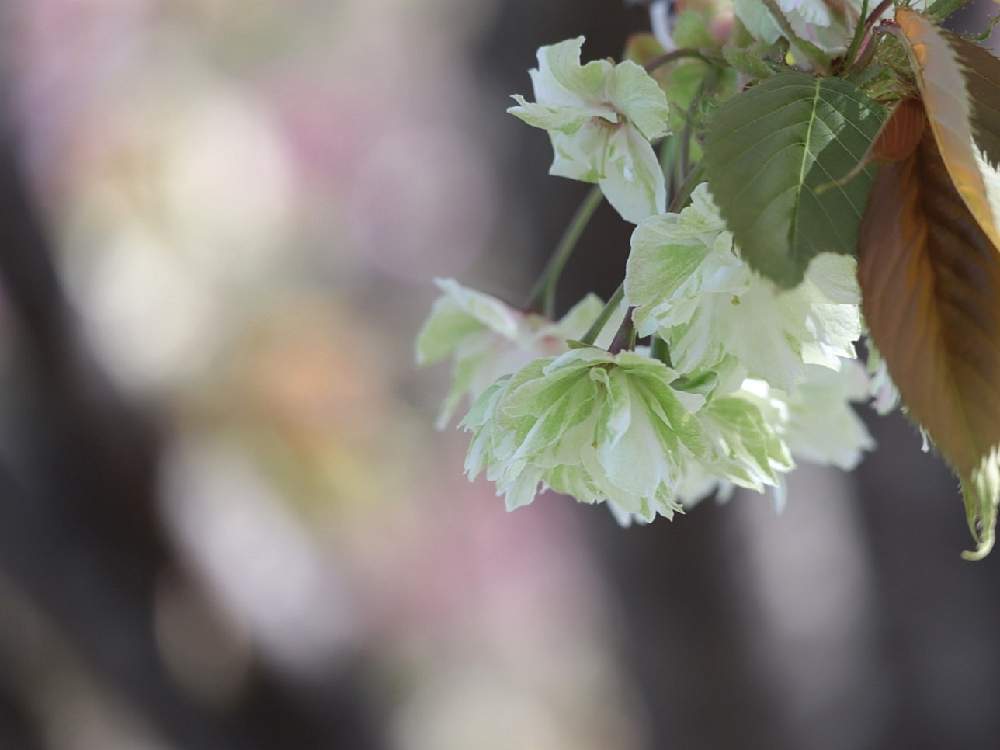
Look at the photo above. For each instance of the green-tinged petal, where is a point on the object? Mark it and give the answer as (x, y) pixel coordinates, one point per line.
(629, 449)
(635, 94)
(486, 339)
(575, 323)
(522, 490)
(659, 264)
(445, 328)
(825, 307)
(810, 19)
(810, 11)
(542, 383)
(462, 376)
(822, 425)
(561, 79)
(581, 155)
(835, 278)
(757, 19)
(755, 331)
(479, 420)
(749, 450)
(571, 407)
(633, 180)
(550, 117)
(488, 310)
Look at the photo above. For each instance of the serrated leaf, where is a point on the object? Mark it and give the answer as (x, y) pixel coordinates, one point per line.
(958, 83)
(930, 281)
(767, 152)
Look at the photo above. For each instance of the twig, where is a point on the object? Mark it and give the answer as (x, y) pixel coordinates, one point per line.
(677, 54)
(602, 320)
(549, 279)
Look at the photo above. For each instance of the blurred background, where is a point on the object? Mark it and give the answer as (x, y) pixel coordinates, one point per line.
(225, 518)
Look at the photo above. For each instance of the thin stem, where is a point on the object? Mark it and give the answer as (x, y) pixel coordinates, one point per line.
(817, 56)
(865, 57)
(549, 279)
(602, 320)
(683, 159)
(876, 14)
(859, 34)
(667, 158)
(681, 164)
(867, 41)
(685, 190)
(677, 54)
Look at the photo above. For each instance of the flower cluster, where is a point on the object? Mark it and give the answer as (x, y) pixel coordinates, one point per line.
(739, 379)
(616, 427)
(690, 287)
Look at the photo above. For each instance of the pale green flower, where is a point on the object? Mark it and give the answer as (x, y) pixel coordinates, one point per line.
(486, 338)
(747, 430)
(744, 448)
(601, 118)
(815, 422)
(690, 287)
(594, 425)
(615, 428)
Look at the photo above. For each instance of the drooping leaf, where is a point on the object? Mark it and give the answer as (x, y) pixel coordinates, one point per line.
(901, 133)
(959, 82)
(767, 152)
(930, 281)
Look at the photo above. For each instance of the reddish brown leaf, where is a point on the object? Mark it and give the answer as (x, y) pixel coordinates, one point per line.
(930, 281)
(901, 133)
(952, 77)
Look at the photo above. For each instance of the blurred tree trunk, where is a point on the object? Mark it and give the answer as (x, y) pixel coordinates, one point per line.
(80, 532)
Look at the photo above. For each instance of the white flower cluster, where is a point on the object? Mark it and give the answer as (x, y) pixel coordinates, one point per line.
(744, 379)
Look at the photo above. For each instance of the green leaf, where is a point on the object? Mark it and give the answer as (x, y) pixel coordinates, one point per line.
(767, 151)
